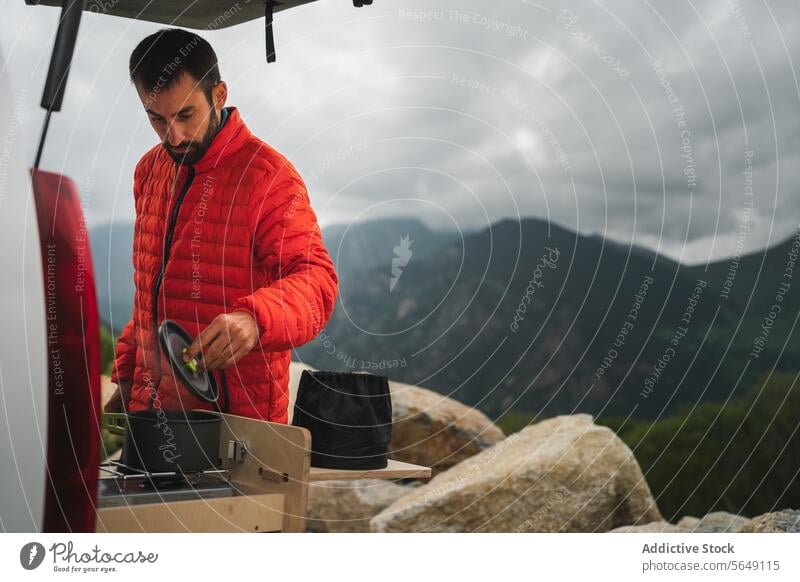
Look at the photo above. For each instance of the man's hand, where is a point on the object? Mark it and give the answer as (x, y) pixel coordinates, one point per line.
(226, 340)
(119, 400)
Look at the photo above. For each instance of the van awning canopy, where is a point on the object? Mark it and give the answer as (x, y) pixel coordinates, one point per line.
(196, 14)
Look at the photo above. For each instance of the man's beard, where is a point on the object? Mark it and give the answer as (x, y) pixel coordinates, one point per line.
(195, 150)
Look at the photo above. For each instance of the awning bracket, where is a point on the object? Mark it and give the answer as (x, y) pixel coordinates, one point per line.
(270, 38)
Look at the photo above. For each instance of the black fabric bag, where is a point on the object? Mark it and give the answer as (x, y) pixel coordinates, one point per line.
(349, 415)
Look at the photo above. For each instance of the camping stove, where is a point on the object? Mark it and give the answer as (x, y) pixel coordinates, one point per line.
(258, 482)
(122, 485)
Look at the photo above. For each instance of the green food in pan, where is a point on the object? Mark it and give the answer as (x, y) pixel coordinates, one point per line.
(191, 364)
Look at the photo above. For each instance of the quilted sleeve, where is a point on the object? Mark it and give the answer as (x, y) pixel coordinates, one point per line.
(125, 355)
(287, 241)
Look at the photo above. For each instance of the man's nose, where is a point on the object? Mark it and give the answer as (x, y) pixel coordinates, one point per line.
(175, 136)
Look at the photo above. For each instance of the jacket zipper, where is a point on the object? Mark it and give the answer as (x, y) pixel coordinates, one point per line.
(165, 259)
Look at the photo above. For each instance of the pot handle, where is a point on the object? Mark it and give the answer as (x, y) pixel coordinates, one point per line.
(114, 422)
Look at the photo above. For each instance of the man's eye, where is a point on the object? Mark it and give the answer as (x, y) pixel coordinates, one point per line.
(157, 119)
(185, 116)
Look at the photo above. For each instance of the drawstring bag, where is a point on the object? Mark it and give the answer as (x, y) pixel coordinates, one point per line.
(349, 415)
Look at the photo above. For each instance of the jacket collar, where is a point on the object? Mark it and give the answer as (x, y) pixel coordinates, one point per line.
(229, 138)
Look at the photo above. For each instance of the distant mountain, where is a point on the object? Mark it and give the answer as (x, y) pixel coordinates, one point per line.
(360, 246)
(751, 286)
(590, 337)
(625, 248)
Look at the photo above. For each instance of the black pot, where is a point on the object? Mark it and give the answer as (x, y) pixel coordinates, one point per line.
(172, 440)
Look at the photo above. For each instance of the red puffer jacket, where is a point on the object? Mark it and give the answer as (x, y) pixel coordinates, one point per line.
(239, 233)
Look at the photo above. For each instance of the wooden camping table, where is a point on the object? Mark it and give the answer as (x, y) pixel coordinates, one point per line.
(269, 465)
(394, 470)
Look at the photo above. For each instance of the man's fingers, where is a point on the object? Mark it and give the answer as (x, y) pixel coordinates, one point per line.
(226, 354)
(217, 352)
(229, 354)
(237, 355)
(204, 339)
(225, 341)
(225, 345)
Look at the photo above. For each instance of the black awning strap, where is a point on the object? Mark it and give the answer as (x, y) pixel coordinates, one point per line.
(270, 38)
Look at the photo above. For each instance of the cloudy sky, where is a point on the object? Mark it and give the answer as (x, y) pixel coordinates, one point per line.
(634, 119)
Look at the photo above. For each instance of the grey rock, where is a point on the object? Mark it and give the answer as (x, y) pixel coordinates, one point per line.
(561, 474)
(652, 527)
(784, 521)
(435, 431)
(688, 521)
(719, 522)
(347, 506)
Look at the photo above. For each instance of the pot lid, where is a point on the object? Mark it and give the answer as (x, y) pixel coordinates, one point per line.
(174, 340)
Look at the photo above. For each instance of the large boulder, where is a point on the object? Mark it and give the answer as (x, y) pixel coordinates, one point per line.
(784, 521)
(653, 527)
(428, 428)
(562, 474)
(435, 431)
(714, 522)
(717, 522)
(347, 506)
(688, 521)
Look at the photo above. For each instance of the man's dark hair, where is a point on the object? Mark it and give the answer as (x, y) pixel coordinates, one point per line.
(163, 57)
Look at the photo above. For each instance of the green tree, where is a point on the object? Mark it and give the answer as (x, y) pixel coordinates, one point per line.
(739, 457)
(106, 349)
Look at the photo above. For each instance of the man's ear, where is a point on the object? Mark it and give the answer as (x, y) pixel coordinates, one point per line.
(220, 95)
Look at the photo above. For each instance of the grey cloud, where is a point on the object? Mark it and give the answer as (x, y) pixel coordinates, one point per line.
(551, 87)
